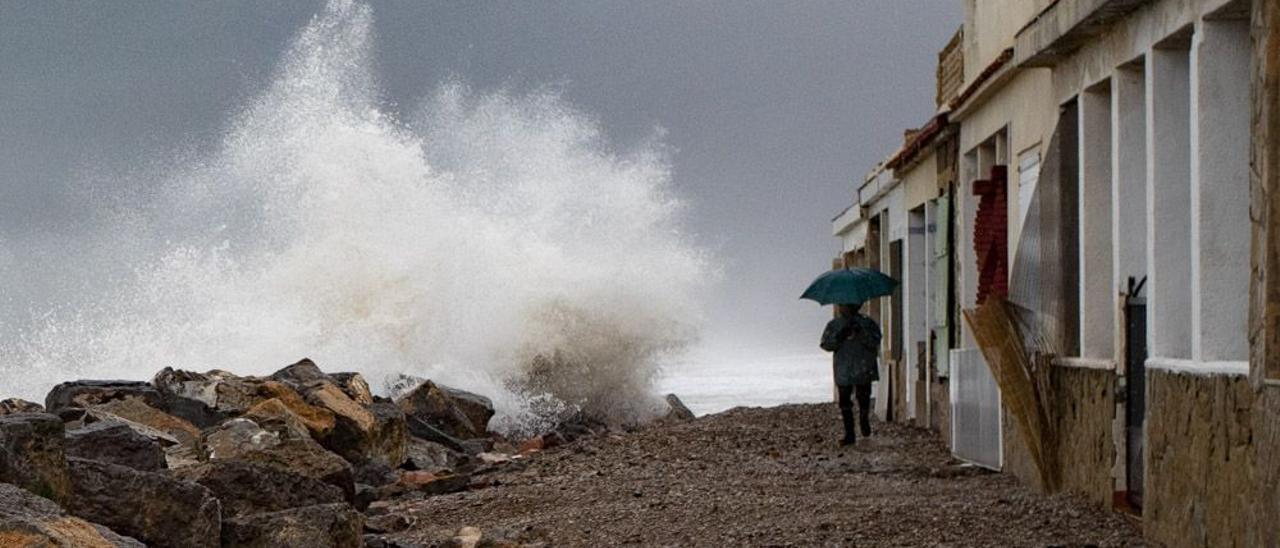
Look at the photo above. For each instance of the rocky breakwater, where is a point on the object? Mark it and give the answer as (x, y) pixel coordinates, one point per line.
(296, 458)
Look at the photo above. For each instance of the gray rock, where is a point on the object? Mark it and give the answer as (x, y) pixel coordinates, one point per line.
(152, 507)
(236, 437)
(677, 410)
(87, 393)
(16, 405)
(30, 520)
(429, 456)
(354, 385)
(455, 412)
(33, 454)
(251, 488)
(306, 457)
(320, 526)
(301, 375)
(116, 443)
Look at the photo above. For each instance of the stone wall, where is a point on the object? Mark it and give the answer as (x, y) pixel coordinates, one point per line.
(940, 409)
(1083, 413)
(1199, 458)
(1265, 506)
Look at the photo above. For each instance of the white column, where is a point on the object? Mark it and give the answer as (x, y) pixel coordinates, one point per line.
(1168, 203)
(1220, 238)
(1097, 294)
(1128, 175)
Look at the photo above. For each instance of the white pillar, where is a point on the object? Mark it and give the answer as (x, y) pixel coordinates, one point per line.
(1220, 238)
(1097, 295)
(1168, 203)
(1128, 175)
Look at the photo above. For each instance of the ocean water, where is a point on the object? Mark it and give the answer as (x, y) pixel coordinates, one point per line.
(711, 384)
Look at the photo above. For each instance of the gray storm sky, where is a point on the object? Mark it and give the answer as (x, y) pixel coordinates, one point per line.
(772, 110)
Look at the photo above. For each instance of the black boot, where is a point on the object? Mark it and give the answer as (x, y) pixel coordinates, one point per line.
(846, 416)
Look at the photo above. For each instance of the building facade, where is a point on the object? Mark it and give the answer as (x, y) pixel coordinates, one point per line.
(1084, 236)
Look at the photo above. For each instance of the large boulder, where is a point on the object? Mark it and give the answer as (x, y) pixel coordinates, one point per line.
(88, 393)
(429, 456)
(33, 454)
(152, 507)
(354, 385)
(116, 443)
(319, 526)
(219, 394)
(306, 457)
(301, 376)
(363, 435)
(190, 395)
(27, 520)
(16, 405)
(676, 410)
(186, 447)
(457, 413)
(251, 488)
(236, 437)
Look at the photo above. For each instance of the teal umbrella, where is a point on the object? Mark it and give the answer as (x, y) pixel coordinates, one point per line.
(850, 286)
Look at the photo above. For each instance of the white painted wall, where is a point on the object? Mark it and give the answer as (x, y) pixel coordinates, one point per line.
(1220, 238)
(1097, 295)
(1168, 104)
(1128, 175)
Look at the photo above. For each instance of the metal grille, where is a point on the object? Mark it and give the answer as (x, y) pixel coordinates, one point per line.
(975, 410)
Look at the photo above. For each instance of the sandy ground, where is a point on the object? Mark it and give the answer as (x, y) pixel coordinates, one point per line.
(760, 477)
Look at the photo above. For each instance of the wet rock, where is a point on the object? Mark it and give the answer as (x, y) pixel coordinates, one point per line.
(319, 526)
(301, 376)
(306, 457)
(236, 437)
(455, 412)
(396, 386)
(88, 393)
(423, 430)
(115, 443)
(17, 405)
(429, 456)
(390, 435)
(149, 506)
(190, 395)
(251, 488)
(136, 412)
(33, 454)
(677, 411)
(34, 521)
(354, 386)
(374, 434)
(375, 474)
(221, 393)
(274, 416)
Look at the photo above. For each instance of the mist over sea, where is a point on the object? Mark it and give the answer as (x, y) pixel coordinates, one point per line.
(709, 382)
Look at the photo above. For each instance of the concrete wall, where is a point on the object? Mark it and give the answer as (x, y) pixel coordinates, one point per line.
(990, 27)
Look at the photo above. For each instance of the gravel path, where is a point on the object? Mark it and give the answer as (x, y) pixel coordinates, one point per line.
(760, 477)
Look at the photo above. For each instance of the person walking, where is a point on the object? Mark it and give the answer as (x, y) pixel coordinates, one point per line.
(854, 340)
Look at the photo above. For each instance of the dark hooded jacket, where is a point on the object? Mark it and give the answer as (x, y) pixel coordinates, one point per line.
(856, 343)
